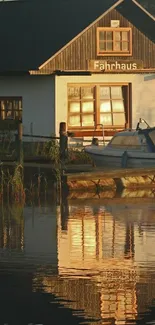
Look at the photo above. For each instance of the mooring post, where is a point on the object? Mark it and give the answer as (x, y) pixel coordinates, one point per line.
(63, 142)
(20, 143)
(63, 152)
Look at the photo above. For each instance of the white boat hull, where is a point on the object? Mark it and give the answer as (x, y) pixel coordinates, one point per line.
(117, 159)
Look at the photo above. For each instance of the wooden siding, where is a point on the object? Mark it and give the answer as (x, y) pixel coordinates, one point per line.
(84, 47)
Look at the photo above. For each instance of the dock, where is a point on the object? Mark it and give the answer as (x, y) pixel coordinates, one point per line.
(88, 178)
(99, 179)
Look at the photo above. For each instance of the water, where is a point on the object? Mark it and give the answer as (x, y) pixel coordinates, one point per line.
(88, 261)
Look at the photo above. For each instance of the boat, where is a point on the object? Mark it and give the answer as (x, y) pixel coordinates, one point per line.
(127, 149)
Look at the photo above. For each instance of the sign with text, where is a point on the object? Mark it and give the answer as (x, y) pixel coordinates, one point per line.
(114, 65)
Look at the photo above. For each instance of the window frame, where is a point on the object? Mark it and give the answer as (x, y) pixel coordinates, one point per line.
(81, 101)
(97, 86)
(114, 52)
(11, 99)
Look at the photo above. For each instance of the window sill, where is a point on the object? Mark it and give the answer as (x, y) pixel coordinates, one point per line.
(114, 54)
(90, 133)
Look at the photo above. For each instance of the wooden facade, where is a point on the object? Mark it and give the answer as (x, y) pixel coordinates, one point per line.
(75, 56)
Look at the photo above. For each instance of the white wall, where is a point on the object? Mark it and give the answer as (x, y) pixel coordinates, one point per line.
(38, 101)
(40, 93)
(143, 94)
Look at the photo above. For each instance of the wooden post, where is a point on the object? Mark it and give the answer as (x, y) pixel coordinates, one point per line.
(63, 153)
(20, 143)
(63, 142)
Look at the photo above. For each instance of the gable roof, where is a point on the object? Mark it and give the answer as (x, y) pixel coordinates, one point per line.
(32, 31)
(139, 17)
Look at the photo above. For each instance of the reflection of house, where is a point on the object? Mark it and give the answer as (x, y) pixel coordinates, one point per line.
(91, 259)
(97, 261)
(84, 65)
(31, 231)
(92, 241)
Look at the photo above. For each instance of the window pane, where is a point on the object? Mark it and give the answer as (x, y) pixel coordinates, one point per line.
(125, 46)
(87, 107)
(117, 36)
(20, 104)
(102, 36)
(118, 140)
(74, 107)
(87, 92)
(104, 92)
(88, 120)
(105, 119)
(124, 36)
(8, 105)
(105, 106)
(74, 93)
(2, 105)
(117, 46)
(102, 46)
(74, 120)
(17, 115)
(119, 119)
(133, 140)
(109, 36)
(116, 92)
(17, 104)
(9, 115)
(118, 106)
(109, 46)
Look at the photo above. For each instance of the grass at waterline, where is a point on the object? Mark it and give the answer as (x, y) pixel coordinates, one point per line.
(51, 150)
(48, 150)
(13, 187)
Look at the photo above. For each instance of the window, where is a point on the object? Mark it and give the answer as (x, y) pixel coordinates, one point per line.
(90, 105)
(81, 106)
(152, 136)
(112, 110)
(126, 141)
(114, 42)
(11, 108)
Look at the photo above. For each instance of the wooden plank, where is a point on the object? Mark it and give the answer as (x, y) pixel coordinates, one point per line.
(98, 173)
(102, 179)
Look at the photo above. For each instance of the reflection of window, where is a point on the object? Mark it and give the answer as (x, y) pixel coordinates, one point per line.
(11, 108)
(97, 104)
(81, 106)
(112, 41)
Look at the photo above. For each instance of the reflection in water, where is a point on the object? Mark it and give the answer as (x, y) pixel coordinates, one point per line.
(98, 246)
(94, 258)
(105, 260)
(11, 227)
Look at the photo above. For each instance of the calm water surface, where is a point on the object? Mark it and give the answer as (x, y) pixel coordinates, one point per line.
(88, 261)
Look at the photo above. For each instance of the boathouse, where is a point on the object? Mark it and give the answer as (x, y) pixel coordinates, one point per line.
(88, 66)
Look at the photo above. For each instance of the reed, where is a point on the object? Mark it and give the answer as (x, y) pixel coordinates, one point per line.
(12, 187)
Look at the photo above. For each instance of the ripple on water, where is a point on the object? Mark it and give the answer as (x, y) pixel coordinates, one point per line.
(95, 264)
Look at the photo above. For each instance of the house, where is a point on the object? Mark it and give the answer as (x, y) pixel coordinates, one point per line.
(88, 66)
